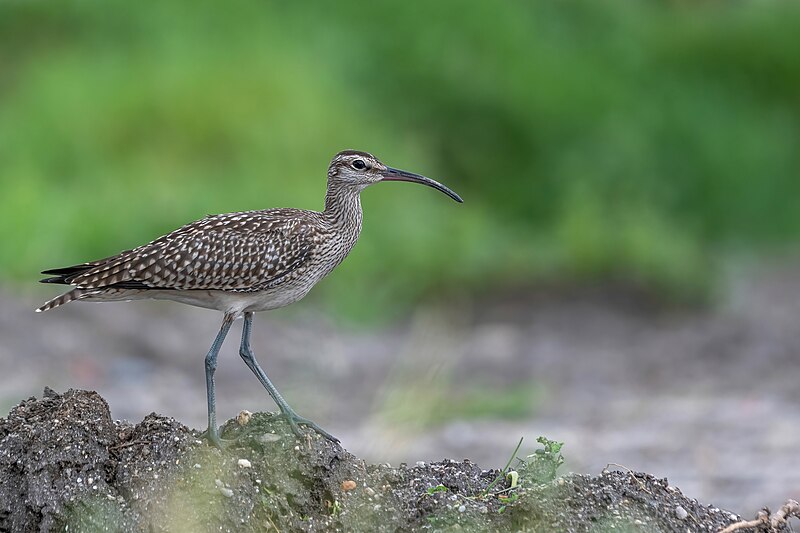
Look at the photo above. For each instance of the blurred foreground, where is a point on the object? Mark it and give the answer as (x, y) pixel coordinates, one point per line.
(66, 466)
(707, 399)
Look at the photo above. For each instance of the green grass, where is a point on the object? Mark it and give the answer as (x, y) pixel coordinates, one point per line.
(590, 139)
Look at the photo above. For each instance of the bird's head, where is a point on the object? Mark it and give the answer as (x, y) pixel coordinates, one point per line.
(360, 169)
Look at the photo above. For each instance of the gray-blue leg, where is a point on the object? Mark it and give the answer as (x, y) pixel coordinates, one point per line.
(211, 367)
(250, 360)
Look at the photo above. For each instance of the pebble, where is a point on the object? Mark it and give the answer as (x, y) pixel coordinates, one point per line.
(421, 464)
(370, 491)
(225, 491)
(268, 437)
(243, 418)
(244, 463)
(462, 508)
(681, 513)
(348, 484)
(197, 465)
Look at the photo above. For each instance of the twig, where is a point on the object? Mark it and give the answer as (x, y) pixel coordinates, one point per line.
(790, 508)
(502, 472)
(633, 476)
(273, 524)
(763, 518)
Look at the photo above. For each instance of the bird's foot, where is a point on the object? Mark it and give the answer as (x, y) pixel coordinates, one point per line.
(213, 438)
(295, 420)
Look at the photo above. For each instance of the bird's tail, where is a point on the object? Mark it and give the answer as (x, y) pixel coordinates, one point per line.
(74, 294)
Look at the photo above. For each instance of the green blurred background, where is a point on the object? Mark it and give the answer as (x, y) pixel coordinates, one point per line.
(591, 140)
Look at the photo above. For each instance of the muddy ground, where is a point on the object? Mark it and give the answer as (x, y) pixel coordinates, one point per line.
(706, 396)
(65, 465)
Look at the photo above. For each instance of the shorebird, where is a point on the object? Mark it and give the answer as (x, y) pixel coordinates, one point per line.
(241, 263)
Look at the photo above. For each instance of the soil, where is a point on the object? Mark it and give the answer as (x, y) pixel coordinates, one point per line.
(66, 465)
(706, 396)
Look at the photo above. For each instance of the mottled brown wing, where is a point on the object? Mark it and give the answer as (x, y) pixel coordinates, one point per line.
(222, 252)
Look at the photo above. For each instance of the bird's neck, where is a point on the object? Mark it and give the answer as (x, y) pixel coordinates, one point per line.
(343, 208)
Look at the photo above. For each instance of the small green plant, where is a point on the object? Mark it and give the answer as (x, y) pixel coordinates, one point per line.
(506, 500)
(437, 488)
(542, 464)
(334, 507)
(502, 472)
(513, 478)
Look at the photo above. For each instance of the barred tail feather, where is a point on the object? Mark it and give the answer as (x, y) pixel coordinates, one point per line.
(74, 294)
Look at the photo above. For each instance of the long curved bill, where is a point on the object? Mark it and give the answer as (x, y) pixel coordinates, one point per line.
(394, 174)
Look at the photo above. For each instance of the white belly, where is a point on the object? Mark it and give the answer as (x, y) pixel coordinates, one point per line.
(234, 302)
(225, 301)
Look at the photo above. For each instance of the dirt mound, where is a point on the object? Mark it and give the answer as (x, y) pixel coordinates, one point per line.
(66, 465)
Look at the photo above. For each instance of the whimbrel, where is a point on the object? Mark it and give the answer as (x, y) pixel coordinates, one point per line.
(241, 263)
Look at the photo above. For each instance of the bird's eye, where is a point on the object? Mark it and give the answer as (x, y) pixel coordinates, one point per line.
(359, 164)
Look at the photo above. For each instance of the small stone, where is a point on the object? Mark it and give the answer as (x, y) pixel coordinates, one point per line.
(462, 508)
(348, 484)
(266, 438)
(681, 513)
(219, 483)
(370, 491)
(197, 465)
(243, 418)
(244, 463)
(421, 464)
(733, 516)
(228, 493)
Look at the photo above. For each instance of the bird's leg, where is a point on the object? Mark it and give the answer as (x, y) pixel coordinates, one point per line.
(250, 360)
(211, 365)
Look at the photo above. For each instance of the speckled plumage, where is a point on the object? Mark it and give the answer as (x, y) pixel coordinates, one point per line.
(240, 263)
(259, 260)
(240, 253)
